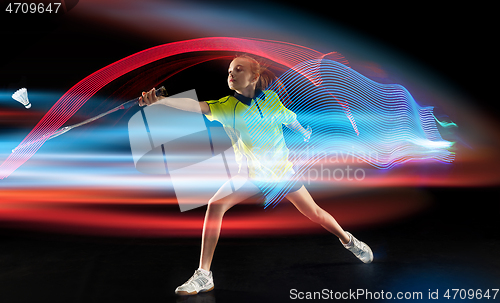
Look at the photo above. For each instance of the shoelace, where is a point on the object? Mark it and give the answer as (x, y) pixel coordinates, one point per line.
(196, 274)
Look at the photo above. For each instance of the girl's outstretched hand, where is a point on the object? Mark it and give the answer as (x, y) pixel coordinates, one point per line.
(148, 98)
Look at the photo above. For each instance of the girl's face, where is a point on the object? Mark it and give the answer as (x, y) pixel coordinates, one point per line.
(240, 75)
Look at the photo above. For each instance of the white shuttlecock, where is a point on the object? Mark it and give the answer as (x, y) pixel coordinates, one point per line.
(21, 95)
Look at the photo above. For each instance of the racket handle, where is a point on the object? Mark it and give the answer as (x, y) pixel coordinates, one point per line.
(162, 91)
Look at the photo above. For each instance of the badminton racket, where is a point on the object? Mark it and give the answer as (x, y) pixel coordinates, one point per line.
(159, 92)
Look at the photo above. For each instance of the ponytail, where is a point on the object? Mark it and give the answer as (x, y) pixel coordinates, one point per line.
(266, 77)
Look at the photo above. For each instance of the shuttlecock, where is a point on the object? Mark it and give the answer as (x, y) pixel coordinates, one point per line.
(21, 95)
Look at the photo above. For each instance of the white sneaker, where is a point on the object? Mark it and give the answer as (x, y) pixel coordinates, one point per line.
(199, 282)
(359, 249)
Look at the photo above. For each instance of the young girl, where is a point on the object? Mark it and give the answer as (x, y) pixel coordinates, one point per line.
(265, 162)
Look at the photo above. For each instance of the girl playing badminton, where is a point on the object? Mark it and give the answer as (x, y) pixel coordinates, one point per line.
(260, 163)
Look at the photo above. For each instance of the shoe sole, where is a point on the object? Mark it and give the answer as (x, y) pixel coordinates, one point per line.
(185, 293)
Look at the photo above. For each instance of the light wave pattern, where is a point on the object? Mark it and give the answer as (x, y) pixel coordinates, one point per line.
(391, 128)
(284, 54)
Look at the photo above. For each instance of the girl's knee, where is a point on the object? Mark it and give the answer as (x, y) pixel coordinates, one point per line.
(317, 215)
(217, 205)
(214, 206)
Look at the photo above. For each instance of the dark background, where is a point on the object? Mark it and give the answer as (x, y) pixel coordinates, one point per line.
(454, 41)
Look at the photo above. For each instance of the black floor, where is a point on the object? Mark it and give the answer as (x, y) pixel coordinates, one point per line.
(453, 245)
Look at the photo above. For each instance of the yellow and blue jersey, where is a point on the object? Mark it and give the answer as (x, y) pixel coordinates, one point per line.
(255, 129)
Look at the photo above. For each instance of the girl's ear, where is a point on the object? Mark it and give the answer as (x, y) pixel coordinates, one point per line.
(256, 79)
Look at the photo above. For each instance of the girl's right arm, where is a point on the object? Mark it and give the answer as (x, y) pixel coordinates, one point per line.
(186, 104)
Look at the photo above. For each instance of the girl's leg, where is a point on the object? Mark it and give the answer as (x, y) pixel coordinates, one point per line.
(306, 205)
(223, 200)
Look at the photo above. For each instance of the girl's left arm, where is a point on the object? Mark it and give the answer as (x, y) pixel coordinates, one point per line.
(295, 126)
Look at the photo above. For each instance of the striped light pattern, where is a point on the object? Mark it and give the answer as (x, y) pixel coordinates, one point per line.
(391, 128)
